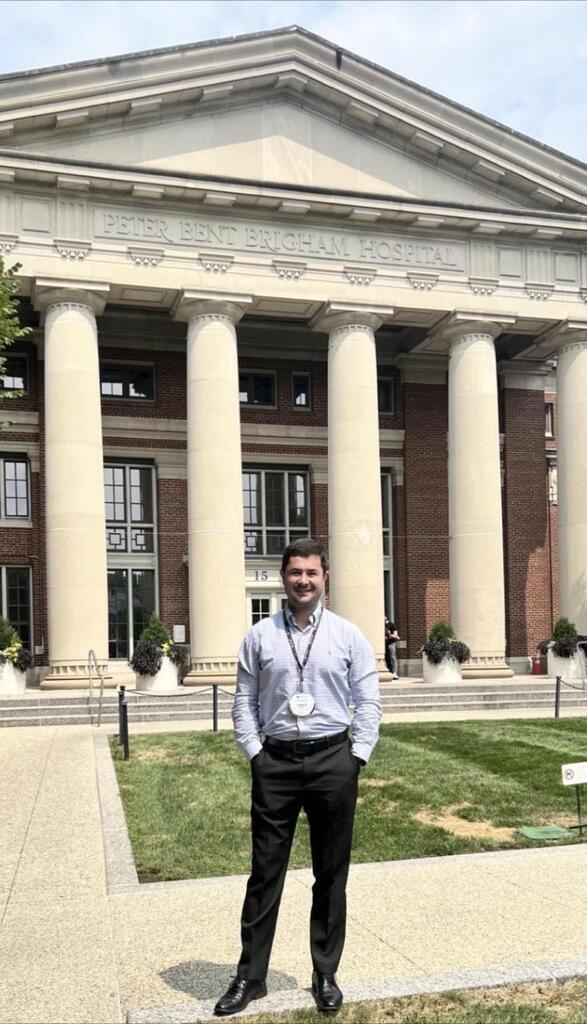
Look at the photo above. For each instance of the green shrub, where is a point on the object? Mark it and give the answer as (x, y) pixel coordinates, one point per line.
(156, 632)
(8, 635)
(563, 628)
(441, 631)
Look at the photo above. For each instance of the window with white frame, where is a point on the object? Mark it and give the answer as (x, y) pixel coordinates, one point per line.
(131, 537)
(549, 419)
(16, 600)
(14, 487)
(276, 507)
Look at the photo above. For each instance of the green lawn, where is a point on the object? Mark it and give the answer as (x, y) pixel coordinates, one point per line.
(542, 1003)
(430, 788)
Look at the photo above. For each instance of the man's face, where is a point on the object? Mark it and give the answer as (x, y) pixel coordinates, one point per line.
(304, 581)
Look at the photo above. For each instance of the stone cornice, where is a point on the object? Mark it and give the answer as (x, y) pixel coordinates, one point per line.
(51, 172)
(523, 375)
(261, 434)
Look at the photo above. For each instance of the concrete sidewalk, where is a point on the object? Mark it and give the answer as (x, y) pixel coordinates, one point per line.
(82, 941)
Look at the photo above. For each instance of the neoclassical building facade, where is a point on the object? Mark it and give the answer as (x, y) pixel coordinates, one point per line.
(276, 290)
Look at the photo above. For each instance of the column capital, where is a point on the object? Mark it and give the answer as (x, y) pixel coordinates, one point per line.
(49, 291)
(343, 314)
(462, 324)
(190, 304)
(563, 336)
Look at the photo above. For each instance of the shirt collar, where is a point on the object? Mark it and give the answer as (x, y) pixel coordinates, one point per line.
(314, 617)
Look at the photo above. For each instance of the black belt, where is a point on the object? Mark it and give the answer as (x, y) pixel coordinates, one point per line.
(306, 746)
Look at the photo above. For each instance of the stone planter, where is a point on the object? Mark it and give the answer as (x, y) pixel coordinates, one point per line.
(166, 680)
(11, 680)
(449, 671)
(567, 668)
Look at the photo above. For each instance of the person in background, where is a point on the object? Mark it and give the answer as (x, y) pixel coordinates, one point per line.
(391, 638)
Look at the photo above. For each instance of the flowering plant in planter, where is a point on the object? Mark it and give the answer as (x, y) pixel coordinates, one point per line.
(15, 659)
(153, 645)
(565, 658)
(442, 645)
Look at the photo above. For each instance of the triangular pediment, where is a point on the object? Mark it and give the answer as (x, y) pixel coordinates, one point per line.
(284, 107)
(277, 141)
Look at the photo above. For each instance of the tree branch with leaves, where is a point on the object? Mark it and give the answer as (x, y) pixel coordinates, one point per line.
(11, 329)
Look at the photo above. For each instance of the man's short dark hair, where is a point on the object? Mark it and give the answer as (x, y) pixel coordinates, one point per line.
(303, 548)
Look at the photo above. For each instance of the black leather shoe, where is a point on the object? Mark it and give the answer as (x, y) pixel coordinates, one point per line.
(239, 994)
(326, 992)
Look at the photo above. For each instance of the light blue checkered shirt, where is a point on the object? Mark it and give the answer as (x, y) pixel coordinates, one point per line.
(340, 671)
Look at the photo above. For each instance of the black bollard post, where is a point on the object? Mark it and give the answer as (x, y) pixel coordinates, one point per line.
(124, 709)
(121, 695)
(215, 707)
(557, 698)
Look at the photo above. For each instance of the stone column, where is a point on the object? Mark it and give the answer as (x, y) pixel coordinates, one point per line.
(74, 482)
(354, 471)
(215, 505)
(477, 594)
(572, 474)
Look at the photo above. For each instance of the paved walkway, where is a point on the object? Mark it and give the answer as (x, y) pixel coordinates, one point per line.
(81, 941)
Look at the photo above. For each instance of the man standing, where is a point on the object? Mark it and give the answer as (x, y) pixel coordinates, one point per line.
(391, 639)
(298, 672)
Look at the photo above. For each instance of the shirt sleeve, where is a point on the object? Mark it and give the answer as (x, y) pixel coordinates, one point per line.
(245, 710)
(364, 686)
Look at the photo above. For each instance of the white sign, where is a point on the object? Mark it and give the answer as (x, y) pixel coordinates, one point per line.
(574, 774)
(179, 634)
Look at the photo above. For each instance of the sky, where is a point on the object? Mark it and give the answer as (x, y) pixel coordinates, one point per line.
(521, 62)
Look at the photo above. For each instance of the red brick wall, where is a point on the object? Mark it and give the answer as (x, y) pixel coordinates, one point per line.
(170, 384)
(426, 514)
(525, 511)
(173, 545)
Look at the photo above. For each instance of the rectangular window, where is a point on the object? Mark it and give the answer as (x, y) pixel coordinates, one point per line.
(125, 380)
(15, 600)
(260, 609)
(276, 509)
(130, 516)
(15, 375)
(257, 388)
(129, 493)
(14, 482)
(301, 391)
(549, 425)
(385, 395)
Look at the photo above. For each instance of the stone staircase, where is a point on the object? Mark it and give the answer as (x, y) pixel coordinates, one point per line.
(522, 694)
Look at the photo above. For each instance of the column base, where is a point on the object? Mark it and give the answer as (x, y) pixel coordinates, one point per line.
(209, 671)
(487, 667)
(75, 676)
(382, 669)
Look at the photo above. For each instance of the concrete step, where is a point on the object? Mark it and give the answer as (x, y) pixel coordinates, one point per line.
(482, 695)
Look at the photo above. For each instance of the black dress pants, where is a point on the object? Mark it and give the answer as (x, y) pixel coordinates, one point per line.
(324, 784)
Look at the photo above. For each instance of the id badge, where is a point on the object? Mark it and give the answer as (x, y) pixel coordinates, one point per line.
(302, 704)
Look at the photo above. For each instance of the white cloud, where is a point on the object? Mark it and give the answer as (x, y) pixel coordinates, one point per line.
(519, 61)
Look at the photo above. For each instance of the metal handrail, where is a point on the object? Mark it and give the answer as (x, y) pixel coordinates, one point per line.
(100, 674)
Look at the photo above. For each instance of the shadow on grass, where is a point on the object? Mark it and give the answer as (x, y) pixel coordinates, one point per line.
(203, 979)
